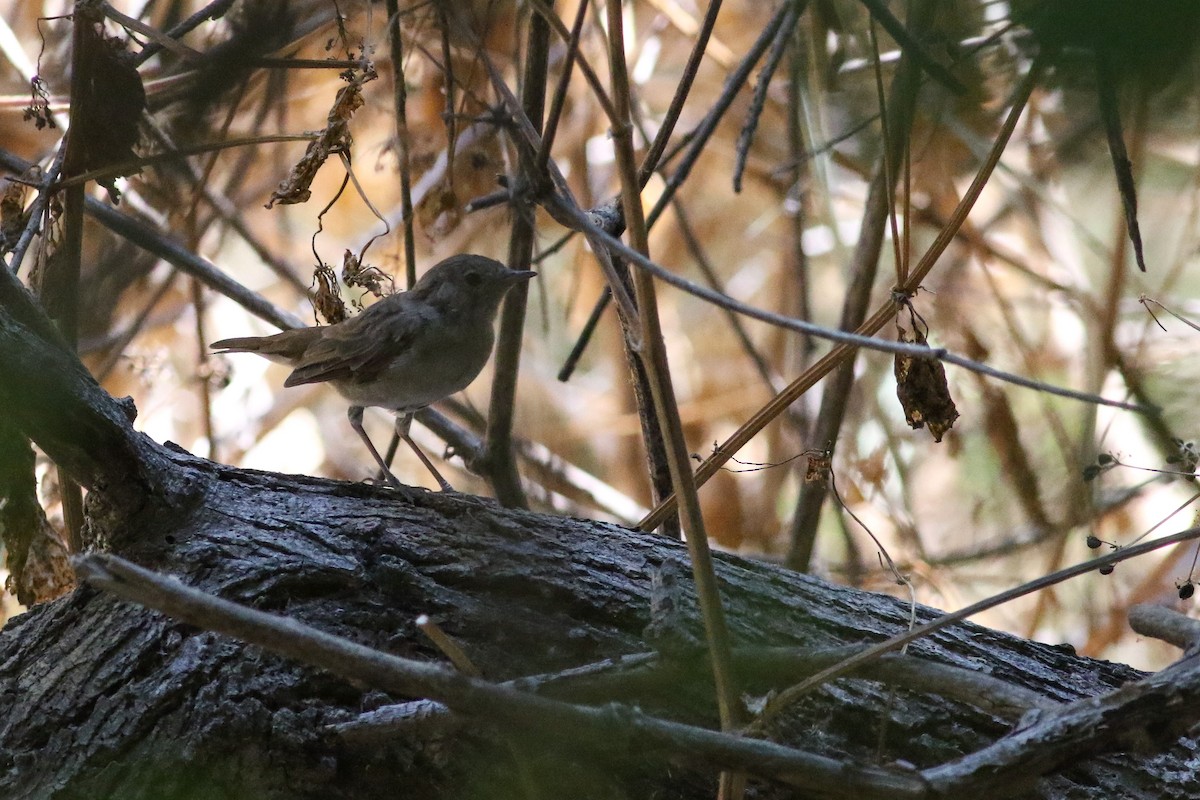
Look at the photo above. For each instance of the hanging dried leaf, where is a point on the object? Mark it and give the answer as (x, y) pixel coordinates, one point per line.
(12, 214)
(38, 109)
(819, 464)
(355, 273)
(327, 299)
(335, 138)
(922, 389)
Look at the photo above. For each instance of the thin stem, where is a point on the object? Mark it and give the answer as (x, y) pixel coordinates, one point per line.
(499, 460)
(654, 357)
(896, 117)
(403, 140)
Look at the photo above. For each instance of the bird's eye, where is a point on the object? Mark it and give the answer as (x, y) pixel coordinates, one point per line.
(473, 279)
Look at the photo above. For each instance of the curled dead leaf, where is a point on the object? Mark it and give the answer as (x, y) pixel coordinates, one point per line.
(922, 388)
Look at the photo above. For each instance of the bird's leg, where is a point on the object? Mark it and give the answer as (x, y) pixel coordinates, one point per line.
(403, 423)
(356, 417)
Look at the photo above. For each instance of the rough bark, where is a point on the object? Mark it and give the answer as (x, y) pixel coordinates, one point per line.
(108, 700)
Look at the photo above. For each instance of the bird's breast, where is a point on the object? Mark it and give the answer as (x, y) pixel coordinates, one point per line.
(441, 360)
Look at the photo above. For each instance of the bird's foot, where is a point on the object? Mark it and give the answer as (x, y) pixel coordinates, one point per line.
(386, 478)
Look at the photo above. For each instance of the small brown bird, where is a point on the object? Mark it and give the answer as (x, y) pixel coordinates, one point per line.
(403, 353)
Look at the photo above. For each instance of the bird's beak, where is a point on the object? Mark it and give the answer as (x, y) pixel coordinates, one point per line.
(518, 275)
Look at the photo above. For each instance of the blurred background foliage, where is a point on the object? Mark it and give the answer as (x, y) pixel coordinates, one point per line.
(1040, 280)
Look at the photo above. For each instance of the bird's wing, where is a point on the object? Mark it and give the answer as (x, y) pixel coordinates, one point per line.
(361, 347)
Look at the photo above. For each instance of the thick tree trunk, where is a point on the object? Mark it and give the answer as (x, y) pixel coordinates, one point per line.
(105, 699)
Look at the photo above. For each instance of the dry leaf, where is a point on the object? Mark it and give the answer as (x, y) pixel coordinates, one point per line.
(921, 387)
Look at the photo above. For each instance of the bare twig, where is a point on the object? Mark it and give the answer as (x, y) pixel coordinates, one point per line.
(1151, 713)
(450, 648)
(499, 460)
(1166, 625)
(403, 140)
(632, 677)
(560, 91)
(215, 9)
(36, 211)
(687, 77)
(845, 339)
(758, 102)
(895, 642)
(912, 47)
(59, 288)
(224, 208)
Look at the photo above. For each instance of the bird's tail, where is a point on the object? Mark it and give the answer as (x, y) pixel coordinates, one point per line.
(286, 348)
